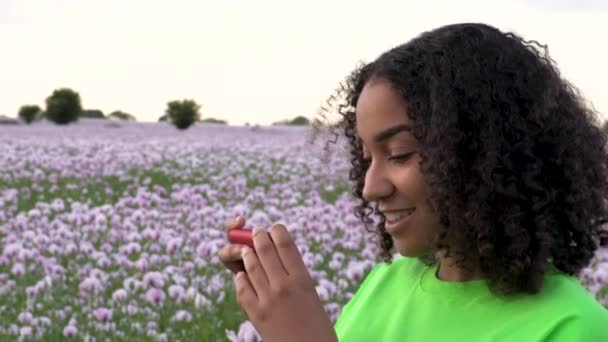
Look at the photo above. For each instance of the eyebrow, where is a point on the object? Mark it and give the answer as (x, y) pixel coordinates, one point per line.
(392, 131)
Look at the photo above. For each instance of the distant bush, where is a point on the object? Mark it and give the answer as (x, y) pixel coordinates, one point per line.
(183, 113)
(162, 118)
(120, 115)
(297, 121)
(28, 113)
(92, 113)
(605, 127)
(215, 121)
(63, 106)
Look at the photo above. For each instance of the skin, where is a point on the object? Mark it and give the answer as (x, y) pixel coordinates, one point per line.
(275, 289)
(394, 179)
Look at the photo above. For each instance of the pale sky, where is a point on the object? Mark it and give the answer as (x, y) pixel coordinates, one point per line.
(255, 61)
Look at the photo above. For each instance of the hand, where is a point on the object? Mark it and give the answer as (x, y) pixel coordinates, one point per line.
(230, 255)
(278, 294)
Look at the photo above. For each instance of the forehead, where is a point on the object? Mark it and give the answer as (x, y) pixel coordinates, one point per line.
(379, 107)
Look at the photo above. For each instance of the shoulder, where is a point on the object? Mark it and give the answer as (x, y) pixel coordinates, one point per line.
(379, 284)
(567, 310)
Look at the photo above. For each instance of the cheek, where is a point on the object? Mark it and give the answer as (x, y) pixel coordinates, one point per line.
(410, 182)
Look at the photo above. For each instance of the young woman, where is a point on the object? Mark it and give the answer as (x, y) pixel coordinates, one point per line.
(490, 178)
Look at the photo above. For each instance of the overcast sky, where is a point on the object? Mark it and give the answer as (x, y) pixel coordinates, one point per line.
(254, 61)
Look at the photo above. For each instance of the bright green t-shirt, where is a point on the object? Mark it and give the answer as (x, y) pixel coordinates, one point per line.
(405, 301)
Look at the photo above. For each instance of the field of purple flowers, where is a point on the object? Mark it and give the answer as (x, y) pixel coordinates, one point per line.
(111, 231)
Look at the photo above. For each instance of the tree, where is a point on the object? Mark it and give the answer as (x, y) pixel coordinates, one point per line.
(297, 121)
(605, 127)
(120, 115)
(28, 113)
(215, 121)
(300, 121)
(92, 113)
(183, 113)
(63, 106)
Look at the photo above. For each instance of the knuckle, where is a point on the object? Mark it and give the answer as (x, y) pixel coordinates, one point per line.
(283, 243)
(263, 247)
(282, 290)
(235, 251)
(252, 267)
(223, 254)
(241, 293)
(263, 311)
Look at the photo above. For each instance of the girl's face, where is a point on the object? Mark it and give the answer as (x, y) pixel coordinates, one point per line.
(393, 178)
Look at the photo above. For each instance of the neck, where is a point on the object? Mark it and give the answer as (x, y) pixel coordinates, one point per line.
(449, 271)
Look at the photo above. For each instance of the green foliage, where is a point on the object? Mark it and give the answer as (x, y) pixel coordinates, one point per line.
(300, 121)
(92, 113)
(605, 127)
(297, 121)
(28, 113)
(63, 106)
(215, 121)
(183, 113)
(120, 115)
(162, 118)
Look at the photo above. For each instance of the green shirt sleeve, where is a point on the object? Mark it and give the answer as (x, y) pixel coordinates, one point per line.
(580, 328)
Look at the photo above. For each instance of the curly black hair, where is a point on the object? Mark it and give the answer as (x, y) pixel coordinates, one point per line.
(514, 157)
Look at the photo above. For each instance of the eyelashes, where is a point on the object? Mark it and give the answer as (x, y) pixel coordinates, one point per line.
(398, 159)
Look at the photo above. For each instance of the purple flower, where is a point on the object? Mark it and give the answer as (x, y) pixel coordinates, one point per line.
(70, 331)
(90, 285)
(25, 318)
(182, 316)
(247, 333)
(155, 296)
(173, 245)
(103, 315)
(154, 279)
(18, 269)
(177, 292)
(142, 265)
(119, 295)
(25, 331)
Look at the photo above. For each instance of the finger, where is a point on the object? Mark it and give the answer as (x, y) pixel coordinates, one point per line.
(237, 222)
(268, 257)
(287, 250)
(255, 272)
(231, 257)
(245, 294)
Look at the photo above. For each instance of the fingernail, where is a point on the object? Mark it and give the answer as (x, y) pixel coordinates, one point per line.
(238, 275)
(258, 229)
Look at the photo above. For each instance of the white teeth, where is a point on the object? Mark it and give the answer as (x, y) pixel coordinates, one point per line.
(397, 215)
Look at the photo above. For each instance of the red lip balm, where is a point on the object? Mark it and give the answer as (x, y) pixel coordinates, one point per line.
(241, 236)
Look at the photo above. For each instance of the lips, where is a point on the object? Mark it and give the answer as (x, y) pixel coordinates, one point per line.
(395, 216)
(396, 221)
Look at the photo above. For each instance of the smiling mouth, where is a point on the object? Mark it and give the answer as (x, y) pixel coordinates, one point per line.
(397, 216)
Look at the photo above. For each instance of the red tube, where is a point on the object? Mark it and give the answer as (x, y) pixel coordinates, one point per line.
(241, 236)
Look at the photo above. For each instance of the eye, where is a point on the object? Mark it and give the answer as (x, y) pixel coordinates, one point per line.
(401, 158)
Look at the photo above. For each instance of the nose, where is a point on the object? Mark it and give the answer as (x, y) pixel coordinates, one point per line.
(376, 185)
